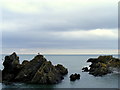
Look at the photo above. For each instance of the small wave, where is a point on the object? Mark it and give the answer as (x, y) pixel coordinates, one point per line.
(116, 72)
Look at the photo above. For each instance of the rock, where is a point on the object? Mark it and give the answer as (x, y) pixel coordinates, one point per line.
(11, 62)
(102, 65)
(29, 70)
(85, 69)
(25, 62)
(38, 71)
(61, 69)
(74, 77)
(11, 68)
(92, 60)
(47, 73)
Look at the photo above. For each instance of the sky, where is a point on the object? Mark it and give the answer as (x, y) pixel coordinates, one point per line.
(59, 26)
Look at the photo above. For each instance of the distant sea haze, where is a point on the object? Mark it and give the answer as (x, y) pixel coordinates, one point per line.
(60, 51)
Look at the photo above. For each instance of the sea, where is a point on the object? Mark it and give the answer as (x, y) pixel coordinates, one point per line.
(74, 63)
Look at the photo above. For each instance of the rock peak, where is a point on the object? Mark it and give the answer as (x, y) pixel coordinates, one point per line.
(38, 70)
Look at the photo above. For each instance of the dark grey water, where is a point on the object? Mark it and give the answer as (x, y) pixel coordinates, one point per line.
(74, 63)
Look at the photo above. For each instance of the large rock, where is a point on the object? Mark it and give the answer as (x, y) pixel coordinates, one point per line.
(103, 65)
(38, 70)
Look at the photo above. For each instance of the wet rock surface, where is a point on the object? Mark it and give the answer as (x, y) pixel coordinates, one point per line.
(37, 71)
(103, 65)
(74, 77)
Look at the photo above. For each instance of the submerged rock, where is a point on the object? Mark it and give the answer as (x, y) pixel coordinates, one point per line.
(38, 70)
(103, 65)
(74, 77)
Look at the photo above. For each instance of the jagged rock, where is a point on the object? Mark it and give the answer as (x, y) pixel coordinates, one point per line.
(47, 73)
(11, 62)
(38, 70)
(92, 60)
(85, 69)
(25, 62)
(74, 77)
(102, 65)
(29, 70)
(11, 68)
(61, 69)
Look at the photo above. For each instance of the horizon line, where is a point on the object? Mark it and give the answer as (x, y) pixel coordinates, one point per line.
(63, 53)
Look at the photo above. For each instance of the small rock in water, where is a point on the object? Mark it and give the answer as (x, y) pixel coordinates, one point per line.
(74, 77)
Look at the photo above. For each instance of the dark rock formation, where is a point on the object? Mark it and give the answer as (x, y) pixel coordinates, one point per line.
(74, 77)
(38, 70)
(11, 67)
(85, 69)
(103, 65)
(61, 69)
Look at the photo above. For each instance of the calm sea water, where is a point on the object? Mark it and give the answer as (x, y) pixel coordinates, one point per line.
(74, 63)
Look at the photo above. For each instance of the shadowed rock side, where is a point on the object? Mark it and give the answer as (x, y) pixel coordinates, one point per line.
(38, 70)
(102, 65)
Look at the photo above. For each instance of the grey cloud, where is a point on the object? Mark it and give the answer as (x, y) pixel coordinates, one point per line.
(103, 17)
(33, 30)
(46, 40)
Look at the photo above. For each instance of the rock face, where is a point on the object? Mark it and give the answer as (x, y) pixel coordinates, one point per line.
(74, 77)
(103, 65)
(38, 70)
(11, 67)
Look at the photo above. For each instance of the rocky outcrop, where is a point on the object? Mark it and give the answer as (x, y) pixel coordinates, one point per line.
(11, 67)
(38, 70)
(74, 77)
(103, 65)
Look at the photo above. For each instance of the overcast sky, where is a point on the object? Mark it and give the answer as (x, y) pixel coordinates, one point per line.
(33, 26)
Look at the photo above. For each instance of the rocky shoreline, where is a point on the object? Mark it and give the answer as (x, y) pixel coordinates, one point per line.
(37, 71)
(102, 65)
